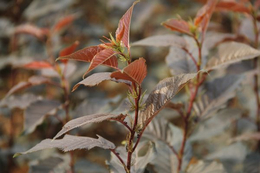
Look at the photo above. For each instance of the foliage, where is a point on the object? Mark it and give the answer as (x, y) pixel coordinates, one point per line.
(196, 119)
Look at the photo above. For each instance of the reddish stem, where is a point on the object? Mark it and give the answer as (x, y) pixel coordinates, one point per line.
(120, 159)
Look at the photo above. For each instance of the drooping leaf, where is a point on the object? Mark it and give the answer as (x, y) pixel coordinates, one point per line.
(232, 6)
(218, 92)
(161, 40)
(162, 94)
(167, 138)
(134, 72)
(122, 32)
(64, 22)
(36, 112)
(231, 52)
(32, 81)
(106, 55)
(69, 143)
(35, 65)
(32, 30)
(206, 167)
(94, 79)
(178, 25)
(94, 118)
(140, 158)
(252, 163)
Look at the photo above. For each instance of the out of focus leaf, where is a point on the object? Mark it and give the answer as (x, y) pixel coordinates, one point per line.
(122, 32)
(162, 94)
(36, 112)
(170, 137)
(204, 167)
(252, 163)
(68, 50)
(134, 72)
(178, 25)
(32, 81)
(95, 118)
(21, 102)
(247, 29)
(56, 163)
(32, 30)
(246, 137)
(39, 8)
(232, 6)
(231, 52)
(37, 65)
(218, 92)
(161, 40)
(64, 22)
(69, 143)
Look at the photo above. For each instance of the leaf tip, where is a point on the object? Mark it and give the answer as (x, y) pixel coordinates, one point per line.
(16, 155)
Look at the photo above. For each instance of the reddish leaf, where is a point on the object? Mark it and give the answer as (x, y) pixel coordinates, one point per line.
(36, 65)
(204, 14)
(178, 25)
(68, 50)
(86, 54)
(232, 6)
(102, 57)
(64, 22)
(134, 72)
(32, 30)
(122, 32)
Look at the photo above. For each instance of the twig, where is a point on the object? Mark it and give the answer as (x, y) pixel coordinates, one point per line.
(120, 159)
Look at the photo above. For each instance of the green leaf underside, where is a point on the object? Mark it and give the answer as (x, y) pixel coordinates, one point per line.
(69, 143)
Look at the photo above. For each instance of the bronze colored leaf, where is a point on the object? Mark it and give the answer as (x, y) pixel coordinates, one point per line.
(162, 94)
(35, 65)
(134, 72)
(178, 25)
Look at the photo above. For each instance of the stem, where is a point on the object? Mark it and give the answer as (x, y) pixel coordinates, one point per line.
(192, 99)
(120, 159)
(132, 133)
(192, 57)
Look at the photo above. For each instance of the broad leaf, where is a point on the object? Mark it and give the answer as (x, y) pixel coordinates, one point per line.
(162, 94)
(37, 65)
(231, 52)
(69, 143)
(94, 79)
(32, 81)
(122, 32)
(161, 40)
(85, 55)
(36, 112)
(178, 25)
(252, 163)
(106, 55)
(94, 118)
(134, 72)
(167, 138)
(205, 167)
(218, 92)
(144, 154)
